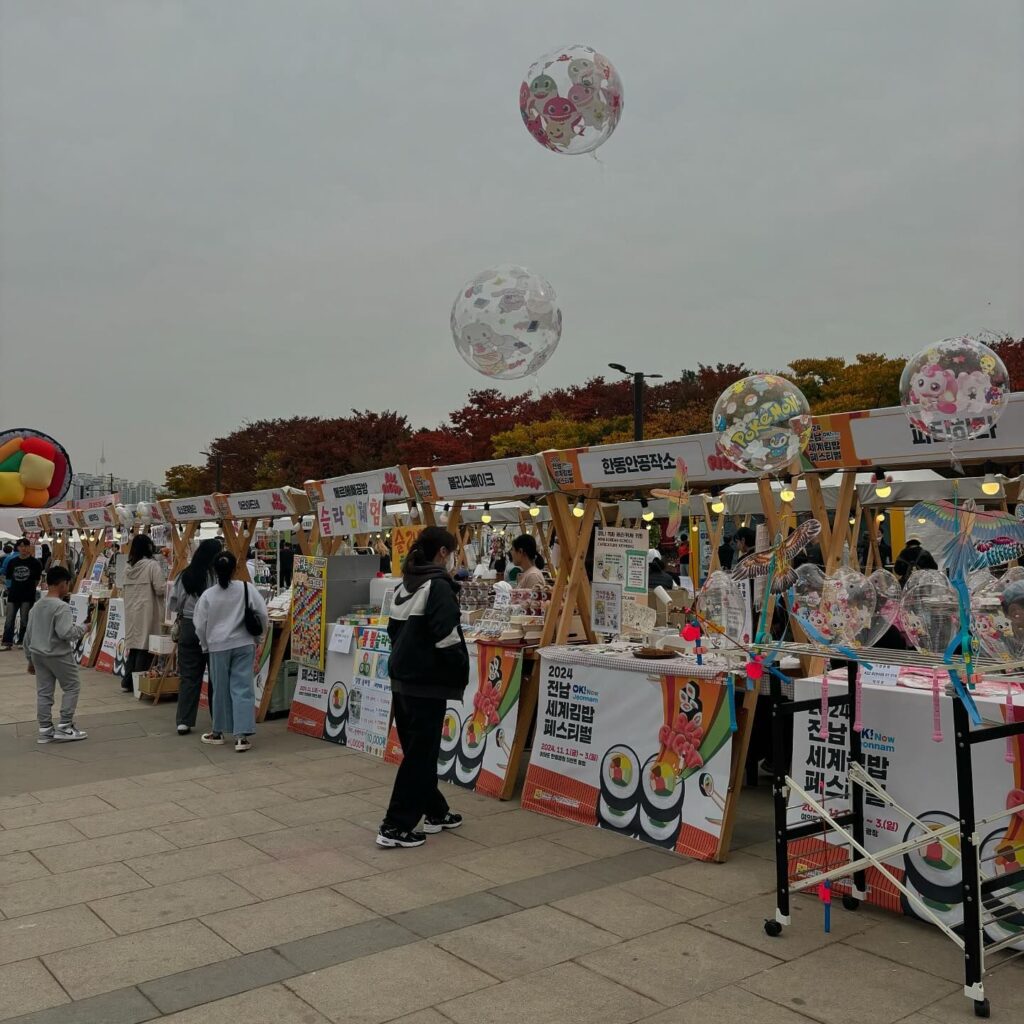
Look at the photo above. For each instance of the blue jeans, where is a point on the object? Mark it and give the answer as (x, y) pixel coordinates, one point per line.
(234, 698)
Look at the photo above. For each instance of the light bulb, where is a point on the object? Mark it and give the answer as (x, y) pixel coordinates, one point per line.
(486, 517)
(990, 485)
(853, 520)
(577, 509)
(694, 528)
(718, 506)
(883, 490)
(787, 494)
(534, 509)
(646, 514)
(883, 484)
(922, 520)
(880, 517)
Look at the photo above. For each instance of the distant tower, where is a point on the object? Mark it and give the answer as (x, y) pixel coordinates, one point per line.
(103, 456)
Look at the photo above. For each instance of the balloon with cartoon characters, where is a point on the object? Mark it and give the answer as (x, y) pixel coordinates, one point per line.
(763, 423)
(506, 322)
(955, 390)
(571, 100)
(35, 471)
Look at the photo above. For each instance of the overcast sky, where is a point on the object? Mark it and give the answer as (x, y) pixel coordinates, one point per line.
(220, 211)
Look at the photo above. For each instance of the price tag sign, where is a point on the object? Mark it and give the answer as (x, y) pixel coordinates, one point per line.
(880, 675)
(341, 639)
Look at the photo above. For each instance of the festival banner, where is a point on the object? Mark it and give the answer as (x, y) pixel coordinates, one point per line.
(112, 650)
(79, 614)
(97, 518)
(479, 729)
(256, 504)
(194, 510)
(346, 517)
(646, 756)
(477, 481)
(309, 610)
(61, 519)
(900, 755)
(402, 539)
(389, 483)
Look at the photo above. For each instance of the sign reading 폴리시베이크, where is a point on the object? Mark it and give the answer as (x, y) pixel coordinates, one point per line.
(647, 756)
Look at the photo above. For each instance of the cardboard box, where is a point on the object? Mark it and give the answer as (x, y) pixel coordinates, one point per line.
(148, 685)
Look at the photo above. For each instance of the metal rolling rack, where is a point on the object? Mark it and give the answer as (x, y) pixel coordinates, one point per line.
(981, 906)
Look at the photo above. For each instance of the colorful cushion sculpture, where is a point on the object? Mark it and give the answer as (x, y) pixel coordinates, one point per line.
(34, 469)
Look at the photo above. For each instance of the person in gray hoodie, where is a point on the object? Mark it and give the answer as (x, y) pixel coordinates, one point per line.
(50, 639)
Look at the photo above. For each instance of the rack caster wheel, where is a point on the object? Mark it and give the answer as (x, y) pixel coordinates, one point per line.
(774, 929)
(982, 1008)
(851, 902)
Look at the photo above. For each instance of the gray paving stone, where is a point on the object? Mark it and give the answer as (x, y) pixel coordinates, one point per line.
(122, 846)
(219, 980)
(27, 986)
(342, 944)
(729, 1005)
(35, 837)
(532, 892)
(61, 810)
(19, 867)
(645, 860)
(197, 861)
(53, 891)
(273, 1004)
(452, 914)
(25, 937)
(210, 830)
(392, 892)
(525, 859)
(131, 820)
(125, 1006)
(568, 994)
(618, 911)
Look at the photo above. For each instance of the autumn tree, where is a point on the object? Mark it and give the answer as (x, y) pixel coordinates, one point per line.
(833, 385)
(557, 432)
(186, 481)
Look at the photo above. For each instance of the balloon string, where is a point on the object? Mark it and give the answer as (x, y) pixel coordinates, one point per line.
(731, 697)
(823, 726)
(936, 710)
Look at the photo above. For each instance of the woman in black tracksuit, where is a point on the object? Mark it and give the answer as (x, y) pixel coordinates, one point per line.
(429, 666)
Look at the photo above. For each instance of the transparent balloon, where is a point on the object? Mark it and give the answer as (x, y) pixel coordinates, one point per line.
(571, 100)
(809, 602)
(997, 616)
(763, 423)
(857, 608)
(722, 610)
(956, 389)
(506, 322)
(929, 612)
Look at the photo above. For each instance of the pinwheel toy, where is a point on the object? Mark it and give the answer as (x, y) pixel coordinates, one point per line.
(678, 498)
(784, 551)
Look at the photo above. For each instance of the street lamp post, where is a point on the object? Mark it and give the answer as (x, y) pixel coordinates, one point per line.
(638, 396)
(218, 465)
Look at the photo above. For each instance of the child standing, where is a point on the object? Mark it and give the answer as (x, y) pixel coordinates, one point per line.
(50, 648)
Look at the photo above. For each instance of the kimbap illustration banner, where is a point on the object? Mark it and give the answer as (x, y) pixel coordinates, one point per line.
(112, 652)
(478, 731)
(349, 703)
(920, 775)
(644, 755)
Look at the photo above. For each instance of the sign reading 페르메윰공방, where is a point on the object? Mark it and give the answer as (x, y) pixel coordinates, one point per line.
(644, 755)
(388, 483)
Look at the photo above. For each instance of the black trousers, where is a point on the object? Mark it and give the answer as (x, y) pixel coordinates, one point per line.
(191, 664)
(415, 793)
(137, 660)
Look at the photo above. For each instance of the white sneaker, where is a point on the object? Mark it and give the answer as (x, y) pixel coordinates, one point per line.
(184, 730)
(67, 733)
(216, 739)
(45, 735)
(242, 744)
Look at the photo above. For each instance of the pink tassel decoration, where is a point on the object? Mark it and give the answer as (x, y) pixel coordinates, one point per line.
(858, 694)
(823, 727)
(936, 710)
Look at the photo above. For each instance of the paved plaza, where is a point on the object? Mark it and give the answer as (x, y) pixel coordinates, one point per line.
(144, 876)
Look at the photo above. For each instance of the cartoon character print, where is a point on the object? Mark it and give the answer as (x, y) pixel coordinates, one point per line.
(593, 110)
(584, 72)
(542, 89)
(934, 389)
(560, 120)
(777, 444)
(493, 354)
(972, 393)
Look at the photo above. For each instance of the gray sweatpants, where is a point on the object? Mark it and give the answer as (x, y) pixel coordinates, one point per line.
(49, 670)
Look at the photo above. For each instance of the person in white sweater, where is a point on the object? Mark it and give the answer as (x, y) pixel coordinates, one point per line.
(220, 624)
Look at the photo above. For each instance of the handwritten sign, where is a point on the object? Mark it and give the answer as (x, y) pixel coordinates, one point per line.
(341, 639)
(880, 675)
(402, 540)
(345, 517)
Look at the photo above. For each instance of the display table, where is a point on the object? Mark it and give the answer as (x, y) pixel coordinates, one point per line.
(650, 749)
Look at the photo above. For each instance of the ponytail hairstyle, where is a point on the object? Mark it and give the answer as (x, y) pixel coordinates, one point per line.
(224, 567)
(528, 546)
(427, 545)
